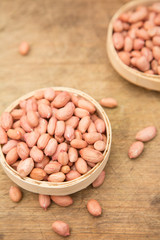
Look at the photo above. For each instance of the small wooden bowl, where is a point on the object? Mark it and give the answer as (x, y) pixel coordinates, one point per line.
(134, 76)
(60, 188)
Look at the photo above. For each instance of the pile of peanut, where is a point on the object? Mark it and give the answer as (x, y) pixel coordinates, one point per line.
(136, 38)
(53, 136)
(60, 227)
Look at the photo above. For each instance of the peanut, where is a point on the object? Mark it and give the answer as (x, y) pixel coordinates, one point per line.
(56, 177)
(3, 136)
(12, 156)
(92, 137)
(125, 57)
(25, 167)
(74, 98)
(66, 112)
(146, 134)
(42, 126)
(44, 201)
(135, 149)
(43, 163)
(39, 94)
(80, 112)
(14, 134)
(52, 167)
(15, 194)
(60, 128)
(78, 143)
(78, 134)
(49, 94)
(31, 138)
(73, 154)
(63, 158)
(23, 150)
(32, 118)
(99, 181)
(9, 145)
(43, 140)
(94, 207)
(81, 166)
(38, 174)
(92, 128)
(62, 147)
(100, 125)
(118, 40)
(16, 124)
(84, 124)
(44, 110)
(69, 133)
(36, 154)
(24, 48)
(65, 169)
(84, 104)
(73, 121)
(63, 201)
(91, 155)
(61, 99)
(99, 145)
(31, 104)
(61, 228)
(73, 174)
(6, 121)
(25, 125)
(51, 125)
(51, 147)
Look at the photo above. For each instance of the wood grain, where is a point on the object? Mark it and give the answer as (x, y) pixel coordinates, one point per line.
(67, 40)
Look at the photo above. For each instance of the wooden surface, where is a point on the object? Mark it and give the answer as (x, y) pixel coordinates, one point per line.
(68, 49)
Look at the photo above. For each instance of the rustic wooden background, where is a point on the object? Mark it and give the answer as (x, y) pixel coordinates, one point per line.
(67, 40)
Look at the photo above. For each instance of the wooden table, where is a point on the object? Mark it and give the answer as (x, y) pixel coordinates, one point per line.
(67, 40)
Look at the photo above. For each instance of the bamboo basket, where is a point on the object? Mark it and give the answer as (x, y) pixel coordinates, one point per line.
(136, 77)
(60, 188)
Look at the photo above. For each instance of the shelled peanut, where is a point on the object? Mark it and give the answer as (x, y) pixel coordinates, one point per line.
(142, 136)
(24, 48)
(54, 135)
(136, 37)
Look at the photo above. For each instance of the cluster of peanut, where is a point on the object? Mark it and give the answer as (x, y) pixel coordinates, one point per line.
(136, 38)
(60, 227)
(54, 136)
